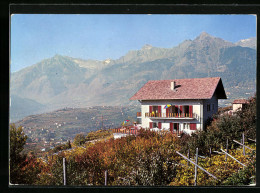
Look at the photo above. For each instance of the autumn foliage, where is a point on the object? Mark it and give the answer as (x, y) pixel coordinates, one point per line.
(150, 158)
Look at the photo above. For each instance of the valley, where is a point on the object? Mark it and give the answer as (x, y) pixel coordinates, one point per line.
(48, 130)
(63, 81)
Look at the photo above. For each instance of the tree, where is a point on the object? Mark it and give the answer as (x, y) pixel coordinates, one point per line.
(79, 139)
(248, 118)
(68, 145)
(17, 142)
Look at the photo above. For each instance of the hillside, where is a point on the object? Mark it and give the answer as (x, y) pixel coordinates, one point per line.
(147, 158)
(66, 123)
(63, 81)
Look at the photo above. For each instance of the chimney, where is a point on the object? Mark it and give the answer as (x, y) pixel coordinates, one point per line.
(173, 85)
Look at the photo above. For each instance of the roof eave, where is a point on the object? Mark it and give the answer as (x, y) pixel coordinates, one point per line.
(171, 99)
(220, 91)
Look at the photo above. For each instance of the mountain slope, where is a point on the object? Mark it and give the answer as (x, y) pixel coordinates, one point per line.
(250, 42)
(20, 106)
(63, 81)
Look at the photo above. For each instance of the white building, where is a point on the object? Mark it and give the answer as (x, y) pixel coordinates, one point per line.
(180, 105)
(119, 135)
(239, 104)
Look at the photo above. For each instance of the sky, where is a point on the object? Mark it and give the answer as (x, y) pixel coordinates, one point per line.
(35, 37)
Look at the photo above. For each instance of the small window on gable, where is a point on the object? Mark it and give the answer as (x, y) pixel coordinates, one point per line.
(208, 107)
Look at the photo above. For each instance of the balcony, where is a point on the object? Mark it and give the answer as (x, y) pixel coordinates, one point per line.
(188, 116)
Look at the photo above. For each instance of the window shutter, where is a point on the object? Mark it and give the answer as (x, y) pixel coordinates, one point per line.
(159, 125)
(180, 110)
(171, 127)
(167, 112)
(190, 111)
(177, 110)
(160, 111)
(150, 109)
(151, 125)
(193, 126)
(173, 109)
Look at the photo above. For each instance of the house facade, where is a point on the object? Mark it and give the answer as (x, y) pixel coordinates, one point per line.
(180, 105)
(239, 104)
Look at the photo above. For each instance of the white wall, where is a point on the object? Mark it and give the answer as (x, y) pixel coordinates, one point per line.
(197, 108)
(145, 121)
(236, 107)
(207, 114)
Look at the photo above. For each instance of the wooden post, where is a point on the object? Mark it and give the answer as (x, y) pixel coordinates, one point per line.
(243, 140)
(197, 165)
(196, 168)
(64, 171)
(188, 163)
(252, 140)
(218, 152)
(209, 152)
(106, 178)
(242, 145)
(233, 158)
(226, 150)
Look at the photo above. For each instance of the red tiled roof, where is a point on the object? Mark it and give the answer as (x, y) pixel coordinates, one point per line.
(240, 101)
(196, 88)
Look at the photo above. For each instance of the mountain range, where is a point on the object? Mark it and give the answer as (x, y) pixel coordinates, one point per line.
(63, 81)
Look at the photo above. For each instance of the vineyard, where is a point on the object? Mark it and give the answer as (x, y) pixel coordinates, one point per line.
(149, 159)
(225, 152)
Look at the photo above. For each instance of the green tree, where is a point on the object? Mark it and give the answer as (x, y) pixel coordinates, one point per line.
(68, 145)
(229, 127)
(248, 118)
(224, 127)
(79, 139)
(17, 142)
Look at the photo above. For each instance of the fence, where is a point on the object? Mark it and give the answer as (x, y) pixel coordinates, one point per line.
(172, 115)
(196, 166)
(210, 151)
(130, 131)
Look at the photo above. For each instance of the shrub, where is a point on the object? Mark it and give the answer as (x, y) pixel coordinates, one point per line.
(17, 142)
(79, 139)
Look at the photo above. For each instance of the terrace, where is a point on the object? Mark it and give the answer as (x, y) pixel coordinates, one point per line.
(188, 116)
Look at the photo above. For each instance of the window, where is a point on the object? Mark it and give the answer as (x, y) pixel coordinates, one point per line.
(155, 111)
(186, 111)
(208, 107)
(172, 111)
(139, 120)
(155, 124)
(213, 107)
(186, 125)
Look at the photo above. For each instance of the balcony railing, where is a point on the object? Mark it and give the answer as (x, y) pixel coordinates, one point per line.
(171, 115)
